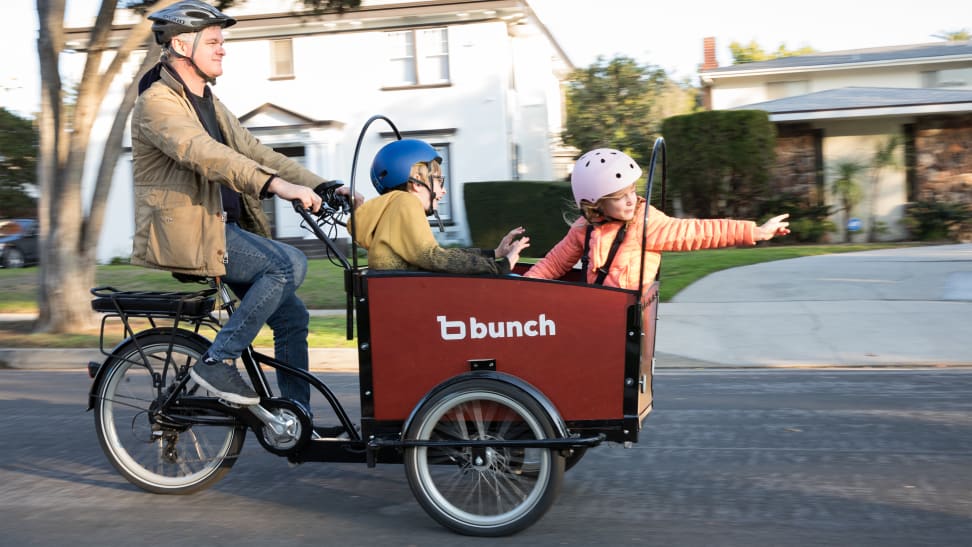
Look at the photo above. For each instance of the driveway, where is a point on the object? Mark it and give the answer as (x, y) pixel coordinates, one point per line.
(908, 306)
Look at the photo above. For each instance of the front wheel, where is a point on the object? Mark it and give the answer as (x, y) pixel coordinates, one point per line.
(152, 453)
(483, 490)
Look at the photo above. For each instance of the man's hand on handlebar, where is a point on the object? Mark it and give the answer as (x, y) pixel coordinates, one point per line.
(296, 193)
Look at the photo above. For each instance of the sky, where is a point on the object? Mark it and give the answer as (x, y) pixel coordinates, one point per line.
(664, 34)
(669, 34)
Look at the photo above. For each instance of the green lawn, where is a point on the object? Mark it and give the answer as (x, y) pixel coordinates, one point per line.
(324, 289)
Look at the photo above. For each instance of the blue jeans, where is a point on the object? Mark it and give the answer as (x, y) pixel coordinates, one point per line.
(265, 275)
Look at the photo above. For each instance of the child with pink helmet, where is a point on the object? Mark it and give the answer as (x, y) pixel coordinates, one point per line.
(607, 237)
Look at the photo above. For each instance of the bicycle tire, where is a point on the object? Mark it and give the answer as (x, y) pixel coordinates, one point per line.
(152, 456)
(489, 492)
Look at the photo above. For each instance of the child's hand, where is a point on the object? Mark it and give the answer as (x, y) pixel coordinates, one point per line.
(516, 248)
(506, 244)
(773, 227)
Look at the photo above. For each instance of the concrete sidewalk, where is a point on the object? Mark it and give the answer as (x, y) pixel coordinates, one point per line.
(887, 308)
(893, 307)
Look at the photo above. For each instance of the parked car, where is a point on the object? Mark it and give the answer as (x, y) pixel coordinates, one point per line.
(18, 243)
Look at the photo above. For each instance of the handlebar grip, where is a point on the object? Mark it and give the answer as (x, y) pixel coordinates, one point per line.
(328, 193)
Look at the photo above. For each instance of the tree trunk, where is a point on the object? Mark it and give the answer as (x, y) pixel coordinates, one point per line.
(50, 42)
(68, 237)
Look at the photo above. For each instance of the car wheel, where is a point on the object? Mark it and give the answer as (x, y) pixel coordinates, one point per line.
(13, 258)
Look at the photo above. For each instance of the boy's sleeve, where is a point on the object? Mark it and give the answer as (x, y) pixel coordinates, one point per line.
(419, 248)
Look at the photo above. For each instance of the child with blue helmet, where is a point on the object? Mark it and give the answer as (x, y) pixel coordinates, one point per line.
(394, 227)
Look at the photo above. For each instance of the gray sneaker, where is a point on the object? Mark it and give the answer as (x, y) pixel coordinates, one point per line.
(224, 381)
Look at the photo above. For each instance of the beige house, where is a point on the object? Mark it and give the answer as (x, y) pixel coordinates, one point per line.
(841, 106)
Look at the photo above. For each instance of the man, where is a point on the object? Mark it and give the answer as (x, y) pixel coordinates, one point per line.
(199, 177)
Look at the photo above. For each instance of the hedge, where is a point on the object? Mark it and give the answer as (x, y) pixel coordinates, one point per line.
(494, 208)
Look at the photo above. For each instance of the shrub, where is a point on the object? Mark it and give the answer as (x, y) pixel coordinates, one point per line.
(808, 223)
(936, 220)
(719, 161)
(494, 208)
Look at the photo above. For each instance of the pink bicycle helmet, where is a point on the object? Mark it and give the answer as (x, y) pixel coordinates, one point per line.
(602, 172)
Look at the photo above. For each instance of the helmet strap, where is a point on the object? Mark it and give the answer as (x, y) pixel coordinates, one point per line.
(192, 53)
(431, 210)
(439, 220)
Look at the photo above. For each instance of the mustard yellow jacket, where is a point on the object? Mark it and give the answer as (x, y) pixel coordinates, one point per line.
(394, 229)
(178, 170)
(665, 233)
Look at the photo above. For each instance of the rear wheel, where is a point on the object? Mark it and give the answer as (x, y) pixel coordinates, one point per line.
(160, 457)
(483, 490)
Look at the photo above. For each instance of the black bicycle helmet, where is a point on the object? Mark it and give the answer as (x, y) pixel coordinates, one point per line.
(186, 16)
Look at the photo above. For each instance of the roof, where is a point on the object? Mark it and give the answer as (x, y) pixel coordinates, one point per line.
(915, 53)
(861, 102)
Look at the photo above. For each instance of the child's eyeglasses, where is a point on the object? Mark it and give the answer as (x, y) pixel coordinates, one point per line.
(438, 178)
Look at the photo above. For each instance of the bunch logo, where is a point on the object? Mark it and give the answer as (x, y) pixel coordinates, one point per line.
(478, 330)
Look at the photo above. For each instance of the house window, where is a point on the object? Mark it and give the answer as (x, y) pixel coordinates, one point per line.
(281, 59)
(418, 57)
(954, 78)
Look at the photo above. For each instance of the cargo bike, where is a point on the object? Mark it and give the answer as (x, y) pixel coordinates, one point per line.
(486, 388)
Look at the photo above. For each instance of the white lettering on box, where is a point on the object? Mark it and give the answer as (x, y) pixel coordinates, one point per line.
(481, 330)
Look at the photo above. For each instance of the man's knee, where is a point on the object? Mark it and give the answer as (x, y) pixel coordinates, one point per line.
(298, 263)
(291, 315)
(300, 269)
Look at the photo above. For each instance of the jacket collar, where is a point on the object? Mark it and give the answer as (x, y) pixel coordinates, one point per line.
(171, 78)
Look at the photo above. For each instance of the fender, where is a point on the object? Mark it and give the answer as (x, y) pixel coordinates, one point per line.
(117, 350)
(548, 407)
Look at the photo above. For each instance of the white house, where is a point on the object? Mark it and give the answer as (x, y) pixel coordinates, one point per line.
(479, 79)
(839, 106)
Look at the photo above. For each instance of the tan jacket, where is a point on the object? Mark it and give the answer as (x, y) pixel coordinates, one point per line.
(178, 168)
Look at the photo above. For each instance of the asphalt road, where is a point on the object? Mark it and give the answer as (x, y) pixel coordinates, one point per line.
(745, 457)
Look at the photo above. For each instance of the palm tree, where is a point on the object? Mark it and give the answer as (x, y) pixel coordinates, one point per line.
(847, 189)
(884, 157)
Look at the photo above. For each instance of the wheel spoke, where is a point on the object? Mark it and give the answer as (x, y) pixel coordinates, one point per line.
(483, 490)
(154, 457)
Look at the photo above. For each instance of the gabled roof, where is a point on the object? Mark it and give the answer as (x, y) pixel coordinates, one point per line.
(269, 116)
(863, 102)
(908, 54)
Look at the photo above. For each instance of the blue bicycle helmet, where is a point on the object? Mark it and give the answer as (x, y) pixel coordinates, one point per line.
(393, 163)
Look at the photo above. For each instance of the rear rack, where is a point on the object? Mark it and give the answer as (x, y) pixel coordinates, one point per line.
(175, 305)
(194, 307)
